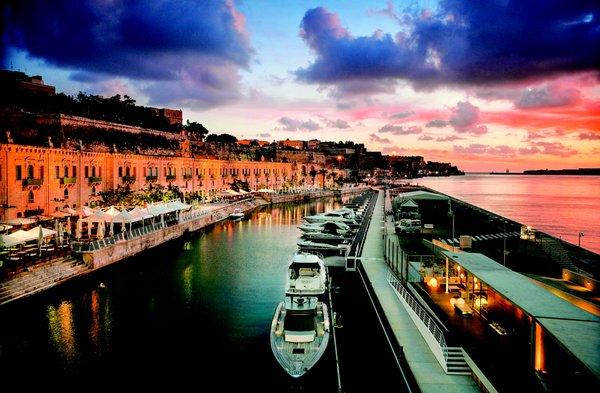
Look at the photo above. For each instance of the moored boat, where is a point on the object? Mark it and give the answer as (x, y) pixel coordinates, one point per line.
(299, 333)
(306, 276)
(237, 214)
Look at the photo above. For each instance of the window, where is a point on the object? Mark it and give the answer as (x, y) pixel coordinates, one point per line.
(30, 171)
(86, 171)
(93, 171)
(74, 173)
(120, 171)
(134, 171)
(100, 171)
(66, 171)
(66, 194)
(57, 172)
(30, 197)
(41, 172)
(127, 171)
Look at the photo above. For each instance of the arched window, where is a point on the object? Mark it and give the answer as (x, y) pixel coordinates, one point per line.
(127, 171)
(66, 171)
(66, 193)
(93, 171)
(30, 197)
(30, 171)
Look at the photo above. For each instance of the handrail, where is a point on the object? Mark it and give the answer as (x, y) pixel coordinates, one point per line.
(423, 315)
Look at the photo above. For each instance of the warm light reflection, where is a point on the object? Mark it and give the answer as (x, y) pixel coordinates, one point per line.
(95, 310)
(540, 361)
(60, 323)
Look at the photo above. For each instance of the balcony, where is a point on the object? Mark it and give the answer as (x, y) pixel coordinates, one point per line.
(151, 178)
(187, 177)
(68, 180)
(128, 179)
(94, 179)
(171, 177)
(32, 182)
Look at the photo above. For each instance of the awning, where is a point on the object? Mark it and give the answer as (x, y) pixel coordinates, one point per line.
(20, 221)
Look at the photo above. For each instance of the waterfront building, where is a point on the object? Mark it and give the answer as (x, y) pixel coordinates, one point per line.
(41, 180)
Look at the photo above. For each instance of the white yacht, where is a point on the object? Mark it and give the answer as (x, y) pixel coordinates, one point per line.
(237, 214)
(326, 226)
(308, 245)
(307, 276)
(299, 333)
(346, 216)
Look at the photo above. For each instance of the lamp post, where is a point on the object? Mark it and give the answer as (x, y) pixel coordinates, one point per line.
(580, 236)
(504, 244)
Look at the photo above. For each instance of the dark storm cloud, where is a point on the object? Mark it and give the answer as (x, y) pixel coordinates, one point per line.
(464, 42)
(165, 41)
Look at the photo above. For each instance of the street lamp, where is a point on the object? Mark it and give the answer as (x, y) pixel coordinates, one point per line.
(504, 244)
(580, 236)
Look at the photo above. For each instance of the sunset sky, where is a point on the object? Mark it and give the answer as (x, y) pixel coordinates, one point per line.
(487, 85)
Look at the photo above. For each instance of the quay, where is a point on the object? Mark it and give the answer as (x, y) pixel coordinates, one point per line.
(88, 257)
(464, 322)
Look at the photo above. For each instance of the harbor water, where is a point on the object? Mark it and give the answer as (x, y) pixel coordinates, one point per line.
(198, 314)
(562, 206)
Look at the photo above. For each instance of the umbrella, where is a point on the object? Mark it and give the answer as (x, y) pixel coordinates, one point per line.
(68, 229)
(100, 232)
(162, 220)
(57, 230)
(112, 229)
(78, 229)
(61, 231)
(40, 239)
(89, 226)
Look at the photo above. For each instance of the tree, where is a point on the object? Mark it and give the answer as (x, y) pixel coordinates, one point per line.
(196, 130)
(313, 174)
(221, 138)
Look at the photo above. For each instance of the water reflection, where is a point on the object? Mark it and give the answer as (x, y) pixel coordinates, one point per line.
(152, 314)
(60, 325)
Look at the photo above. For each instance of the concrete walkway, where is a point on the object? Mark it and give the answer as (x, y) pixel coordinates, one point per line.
(427, 371)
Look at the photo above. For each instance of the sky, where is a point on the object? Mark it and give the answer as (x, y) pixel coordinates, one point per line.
(488, 85)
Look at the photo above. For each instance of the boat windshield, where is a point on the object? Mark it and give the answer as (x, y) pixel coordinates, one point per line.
(299, 322)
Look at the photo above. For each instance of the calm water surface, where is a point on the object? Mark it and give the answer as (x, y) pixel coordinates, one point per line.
(200, 316)
(562, 206)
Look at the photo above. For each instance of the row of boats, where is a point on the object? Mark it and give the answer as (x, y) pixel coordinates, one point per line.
(301, 325)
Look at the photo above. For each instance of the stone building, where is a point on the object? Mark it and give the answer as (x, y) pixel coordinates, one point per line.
(40, 180)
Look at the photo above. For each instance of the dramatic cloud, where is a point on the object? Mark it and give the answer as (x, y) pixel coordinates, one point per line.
(481, 149)
(463, 42)
(438, 123)
(590, 136)
(400, 130)
(339, 123)
(402, 115)
(555, 149)
(376, 138)
(290, 124)
(548, 96)
(465, 119)
(448, 138)
(187, 51)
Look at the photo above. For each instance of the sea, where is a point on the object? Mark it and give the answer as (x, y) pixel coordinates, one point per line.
(562, 206)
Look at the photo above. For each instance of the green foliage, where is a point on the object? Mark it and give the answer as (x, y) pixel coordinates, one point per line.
(123, 196)
(195, 130)
(221, 138)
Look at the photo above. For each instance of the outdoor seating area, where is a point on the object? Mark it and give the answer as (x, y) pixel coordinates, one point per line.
(39, 239)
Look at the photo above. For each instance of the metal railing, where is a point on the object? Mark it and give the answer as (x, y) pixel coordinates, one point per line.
(112, 240)
(423, 315)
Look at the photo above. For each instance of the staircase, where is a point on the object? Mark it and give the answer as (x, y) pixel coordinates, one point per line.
(455, 361)
(557, 253)
(40, 278)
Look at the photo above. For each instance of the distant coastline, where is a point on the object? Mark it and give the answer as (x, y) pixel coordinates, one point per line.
(571, 172)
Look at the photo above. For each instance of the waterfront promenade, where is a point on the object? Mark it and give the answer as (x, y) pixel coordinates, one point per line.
(423, 364)
(91, 256)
